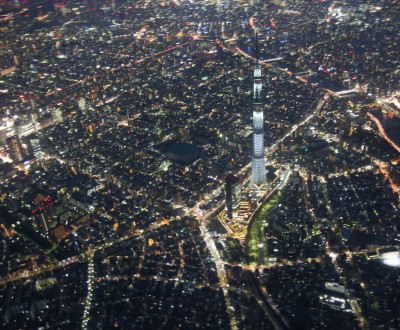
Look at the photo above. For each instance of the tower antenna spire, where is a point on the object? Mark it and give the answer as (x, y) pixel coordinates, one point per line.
(256, 46)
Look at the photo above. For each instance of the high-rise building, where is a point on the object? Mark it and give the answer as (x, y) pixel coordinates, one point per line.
(15, 149)
(42, 223)
(233, 189)
(36, 147)
(258, 176)
(57, 114)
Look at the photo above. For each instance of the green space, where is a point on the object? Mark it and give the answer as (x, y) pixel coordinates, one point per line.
(256, 243)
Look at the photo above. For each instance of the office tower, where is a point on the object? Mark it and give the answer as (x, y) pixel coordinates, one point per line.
(15, 149)
(57, 114)
(233, 189)
(42, 223)
(36, 147)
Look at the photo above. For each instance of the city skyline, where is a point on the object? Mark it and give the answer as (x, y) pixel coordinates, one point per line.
(199, 164)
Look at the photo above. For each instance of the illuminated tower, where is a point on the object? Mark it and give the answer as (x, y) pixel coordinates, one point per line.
(258, 177)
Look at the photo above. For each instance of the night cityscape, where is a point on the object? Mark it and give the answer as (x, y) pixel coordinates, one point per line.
(199, 164)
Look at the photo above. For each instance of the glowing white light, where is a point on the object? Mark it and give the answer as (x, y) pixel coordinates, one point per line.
(258, 120)
(393, 261)
(258, 148)
(257, 90)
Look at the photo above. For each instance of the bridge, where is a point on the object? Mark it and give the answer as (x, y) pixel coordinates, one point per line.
(271, 60)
